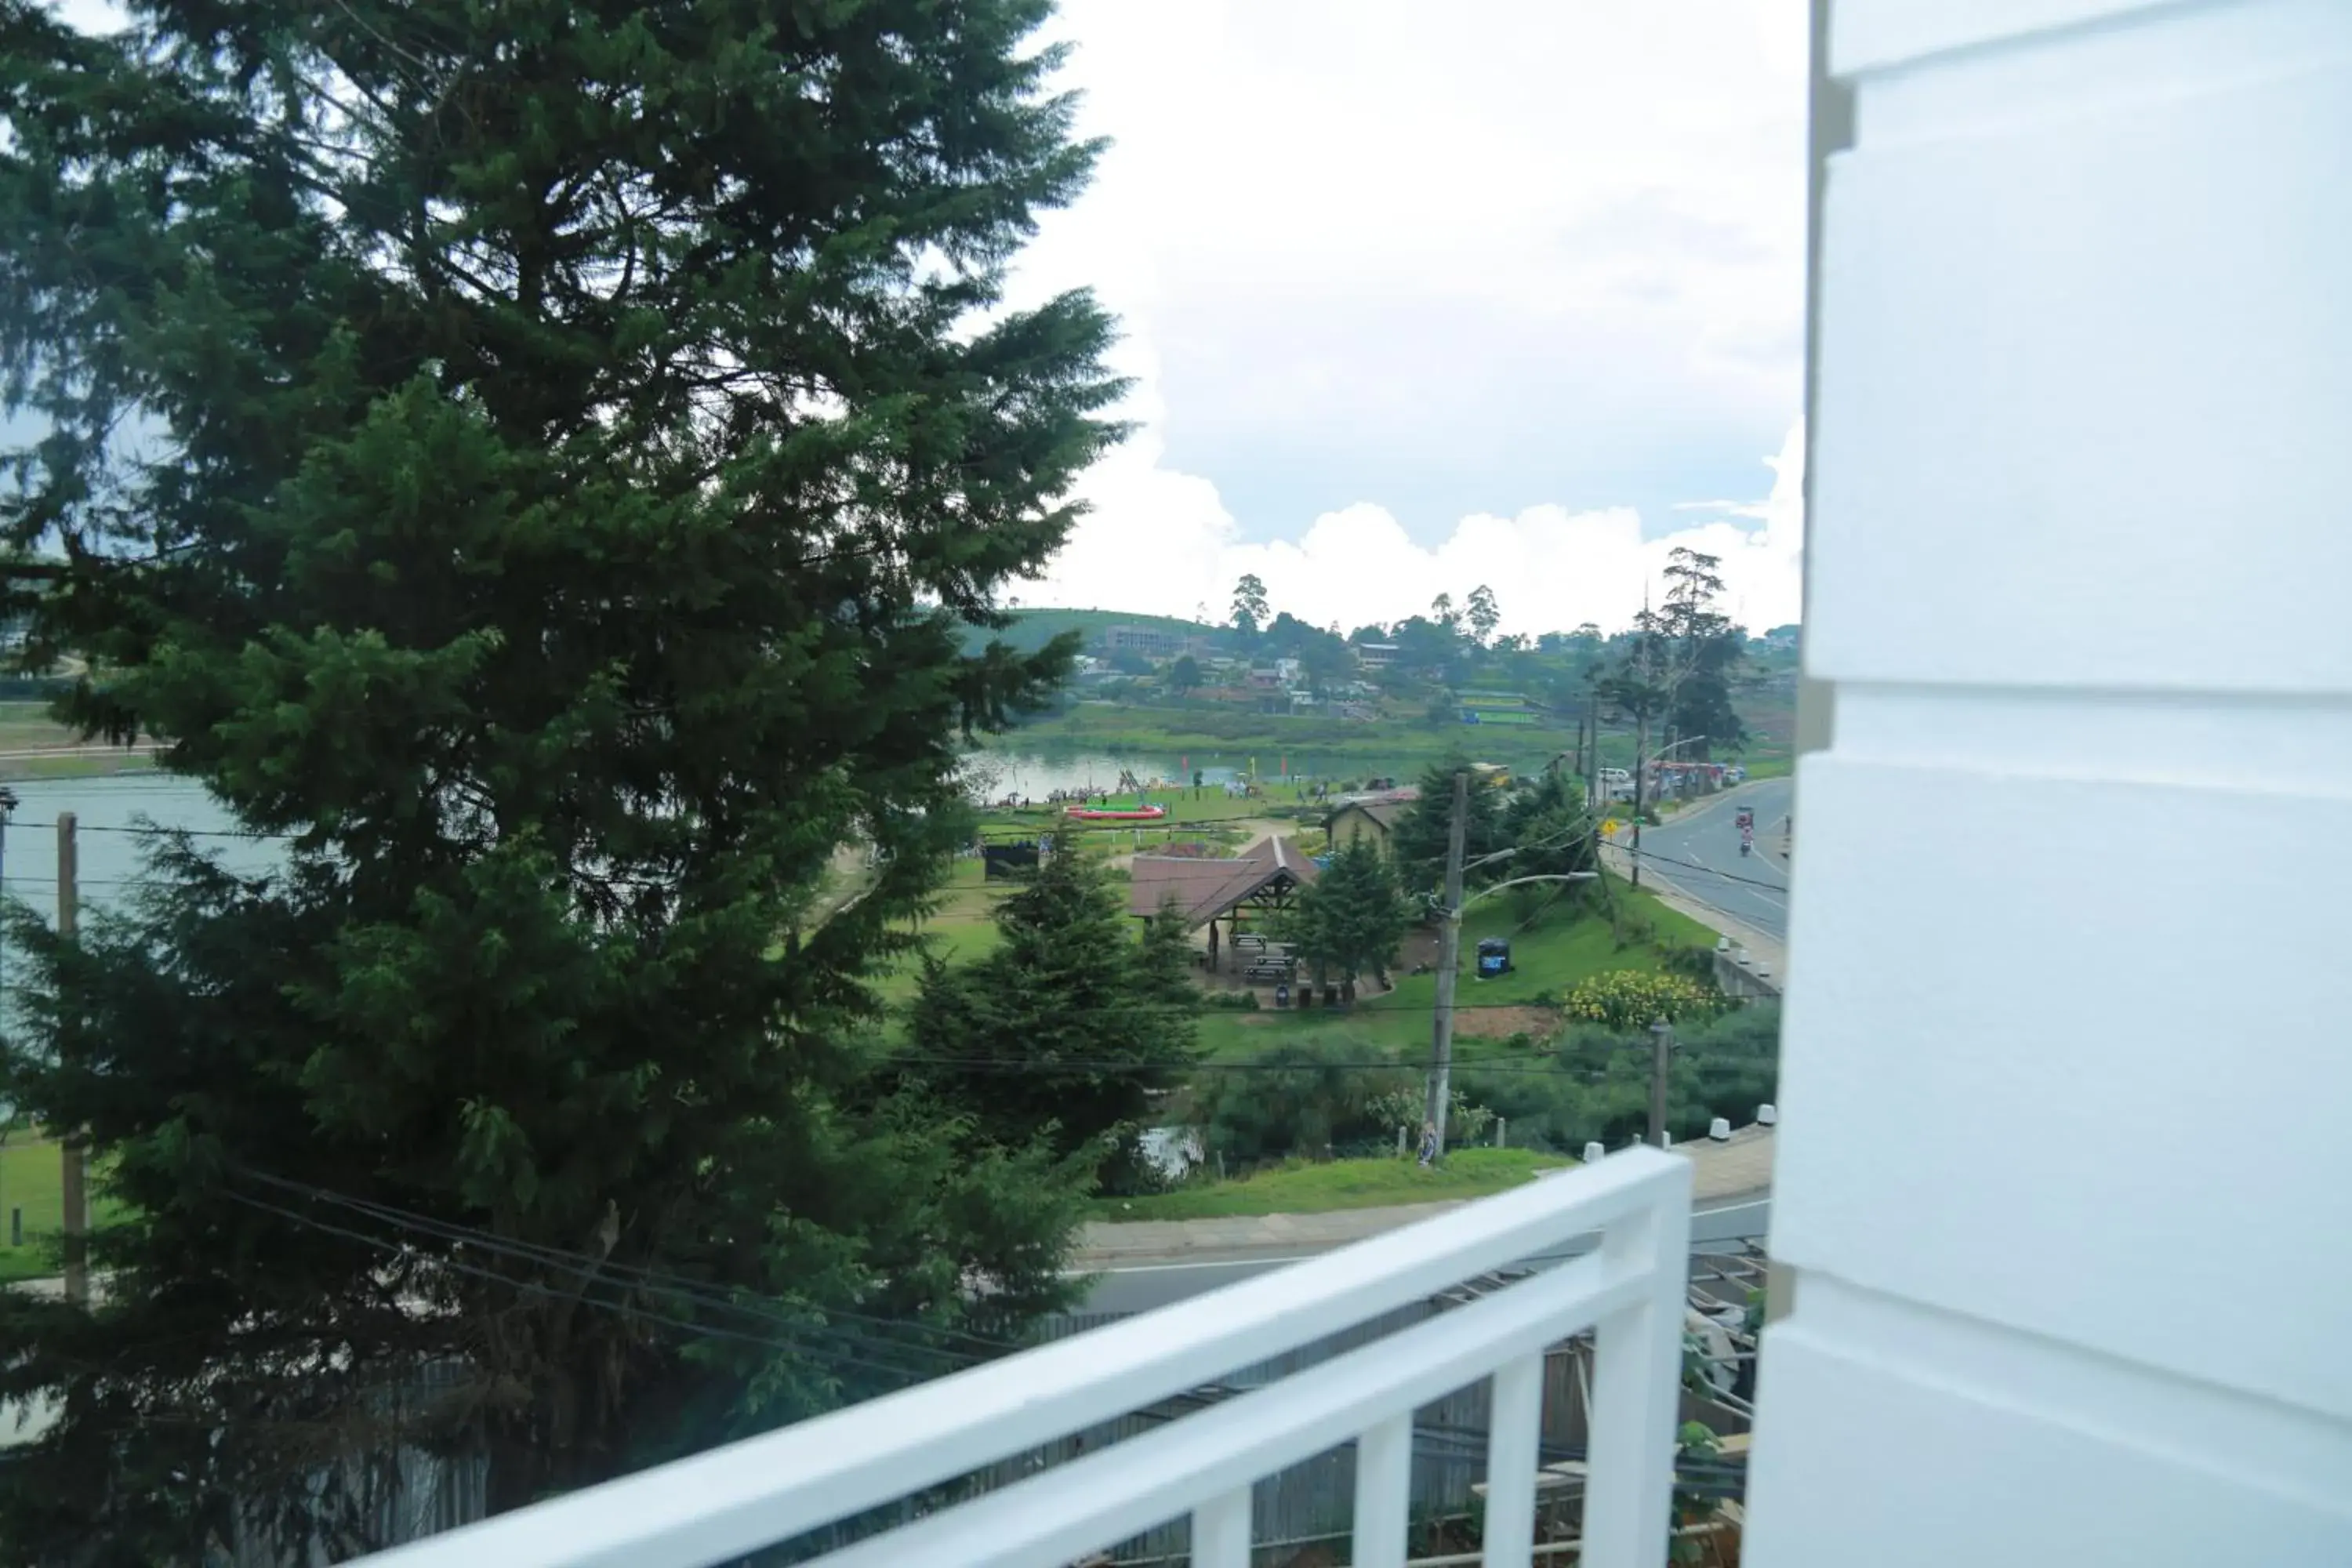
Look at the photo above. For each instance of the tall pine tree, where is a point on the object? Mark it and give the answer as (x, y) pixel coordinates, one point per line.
(1071, 1022)
(541, 457)
(1352, 918)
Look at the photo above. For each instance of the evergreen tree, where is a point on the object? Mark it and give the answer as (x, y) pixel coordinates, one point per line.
(1068, 1024)
(1418, 835)
(1548, 828)
(572, 443)
(1352, 918)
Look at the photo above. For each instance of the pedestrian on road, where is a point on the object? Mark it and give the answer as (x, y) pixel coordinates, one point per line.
(1428, 1144)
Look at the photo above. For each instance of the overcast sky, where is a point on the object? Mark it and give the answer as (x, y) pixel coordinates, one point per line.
(1416, 297)
(1508, 292)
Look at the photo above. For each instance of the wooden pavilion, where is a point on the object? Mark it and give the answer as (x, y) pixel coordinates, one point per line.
(1259, 883)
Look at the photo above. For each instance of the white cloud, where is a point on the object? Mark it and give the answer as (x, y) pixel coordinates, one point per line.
(1160, 543)
(1378, 273)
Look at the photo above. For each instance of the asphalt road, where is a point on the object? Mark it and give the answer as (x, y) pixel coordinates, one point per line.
(1697, 850)
(1714, 1226)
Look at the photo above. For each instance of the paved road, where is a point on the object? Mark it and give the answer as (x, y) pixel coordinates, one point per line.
(1697, 850)
(1142, 1287)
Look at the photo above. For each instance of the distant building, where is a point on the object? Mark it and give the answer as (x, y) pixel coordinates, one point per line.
(1280, 676)
(1376, 655)
(1149, 642)
(1370, 821)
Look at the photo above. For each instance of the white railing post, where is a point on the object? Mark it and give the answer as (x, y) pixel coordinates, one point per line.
(1513, 1453)
(1221, 1531)
(1637, 1395)
(1383, 1493)
(717, 1506)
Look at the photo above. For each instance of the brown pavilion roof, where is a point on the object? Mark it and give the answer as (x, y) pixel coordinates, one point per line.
(1201, 891)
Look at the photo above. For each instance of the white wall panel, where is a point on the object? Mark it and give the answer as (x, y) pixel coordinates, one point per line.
(1877, 35)
(2074, 1039)
(2081, 400)
(2064, 1175)
(1862, 1463)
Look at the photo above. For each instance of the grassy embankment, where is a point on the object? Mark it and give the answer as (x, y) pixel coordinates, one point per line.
(1340, 1184)
(26, 727)
(1549, 958)
(1552, 954)
(1216, 734)
(31, 1172)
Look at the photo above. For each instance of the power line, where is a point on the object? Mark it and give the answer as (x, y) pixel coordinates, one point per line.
(1650, 855)
(583, 1295)
(548, 1255)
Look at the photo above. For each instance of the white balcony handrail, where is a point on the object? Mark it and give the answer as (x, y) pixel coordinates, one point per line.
(719, 1505)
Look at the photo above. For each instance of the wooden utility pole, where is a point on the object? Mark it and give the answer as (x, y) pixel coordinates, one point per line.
(1449, 959)
(1662, 1053)
(73, 1185)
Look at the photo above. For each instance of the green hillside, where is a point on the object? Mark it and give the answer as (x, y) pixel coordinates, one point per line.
(1035, 628)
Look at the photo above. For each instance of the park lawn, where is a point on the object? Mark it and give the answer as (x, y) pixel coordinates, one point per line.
(1220, 735)
(30, 1175)
(1340, 1184)
(1550, 958)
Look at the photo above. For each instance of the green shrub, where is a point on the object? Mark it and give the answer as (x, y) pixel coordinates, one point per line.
(1408, 1108)
(1691, 963)
(1300, 1098)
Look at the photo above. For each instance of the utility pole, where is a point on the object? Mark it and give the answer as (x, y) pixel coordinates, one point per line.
(1449, 959)
(1641, 780)
(7, 809)
(1662, 1051)
(1584, 772)
(73, 1187)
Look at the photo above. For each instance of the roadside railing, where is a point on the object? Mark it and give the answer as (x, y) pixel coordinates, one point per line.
(717, 1506)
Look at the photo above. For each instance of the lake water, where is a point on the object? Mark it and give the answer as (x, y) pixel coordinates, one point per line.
(999, 772)
(111, 813)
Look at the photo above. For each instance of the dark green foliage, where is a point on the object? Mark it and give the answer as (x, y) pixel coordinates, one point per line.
(1067, 1025)
(1352, 918)
(1418, 837)
(1250, 610)
(1550, 831)
(581, 463)
(1724, 1066)
(1298, 1099)
(1707, 649)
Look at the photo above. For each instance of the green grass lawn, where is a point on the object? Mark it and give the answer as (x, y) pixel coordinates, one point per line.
(30, 1175)
(1551, 956)
(1340, 1184)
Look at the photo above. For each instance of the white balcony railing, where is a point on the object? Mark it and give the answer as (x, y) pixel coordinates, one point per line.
(717, 1506)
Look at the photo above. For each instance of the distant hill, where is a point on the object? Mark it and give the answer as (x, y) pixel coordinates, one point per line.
(1035, 628)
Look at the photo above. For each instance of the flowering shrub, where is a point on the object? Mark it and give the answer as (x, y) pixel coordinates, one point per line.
(1629, 999)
